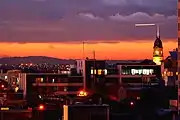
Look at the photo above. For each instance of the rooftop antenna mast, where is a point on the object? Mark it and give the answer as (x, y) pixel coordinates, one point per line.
(83, 50)
(145, 25)
(158, 31)
(94, 55)
(94, 66)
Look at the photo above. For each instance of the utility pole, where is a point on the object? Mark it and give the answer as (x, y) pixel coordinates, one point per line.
(94, 65)
(94, 55)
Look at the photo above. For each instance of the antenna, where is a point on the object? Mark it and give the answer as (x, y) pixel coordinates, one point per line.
(94, 55)
(83, 50)
(158, 31)
(94, 66)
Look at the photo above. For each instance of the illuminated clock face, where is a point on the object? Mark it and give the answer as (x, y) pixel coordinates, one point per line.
(157, 52)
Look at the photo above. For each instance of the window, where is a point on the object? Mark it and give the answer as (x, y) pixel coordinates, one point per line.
(141, 71)
(95, 72)
(92, 72)
(39, 80)
(105, 72)
(99, 72)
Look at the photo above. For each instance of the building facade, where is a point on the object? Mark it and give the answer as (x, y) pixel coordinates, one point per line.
(92, 71)
(49, 84)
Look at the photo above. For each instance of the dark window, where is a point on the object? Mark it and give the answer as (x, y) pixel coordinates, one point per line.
(73, 88)
(111, 80)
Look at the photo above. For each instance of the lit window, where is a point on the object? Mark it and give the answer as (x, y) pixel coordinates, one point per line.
(99, 72)
(95, 72)
(91, 71)
(41, 79)
(176, 73)
(16, 89)
(171, 73)
(151, 71)
(168, 73)
(140, 71)
(17, 81)
(105, 71)
(65, 89)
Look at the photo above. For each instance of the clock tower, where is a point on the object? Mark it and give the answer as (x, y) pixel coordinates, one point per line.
(158, 49)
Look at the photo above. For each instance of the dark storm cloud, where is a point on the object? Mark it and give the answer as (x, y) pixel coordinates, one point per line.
(76, 20)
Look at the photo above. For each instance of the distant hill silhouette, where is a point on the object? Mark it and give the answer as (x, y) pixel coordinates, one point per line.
(35, 60)
(51, 60)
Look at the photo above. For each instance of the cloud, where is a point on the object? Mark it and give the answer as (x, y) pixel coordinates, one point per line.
(39, 0)
(125, 7)
(36, 29)
(138, 17)
(113, 28)
(78, 20)
(153, 3)
(90, 16)
(115, 2)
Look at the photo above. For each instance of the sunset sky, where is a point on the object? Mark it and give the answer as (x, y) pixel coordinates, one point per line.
(57, 28)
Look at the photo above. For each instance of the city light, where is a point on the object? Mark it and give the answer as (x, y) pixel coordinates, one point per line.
(41, 107)
(131, 103)
(82, 93)
(142, 71)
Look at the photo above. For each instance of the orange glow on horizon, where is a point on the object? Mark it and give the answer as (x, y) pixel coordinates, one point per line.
(120, 50)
